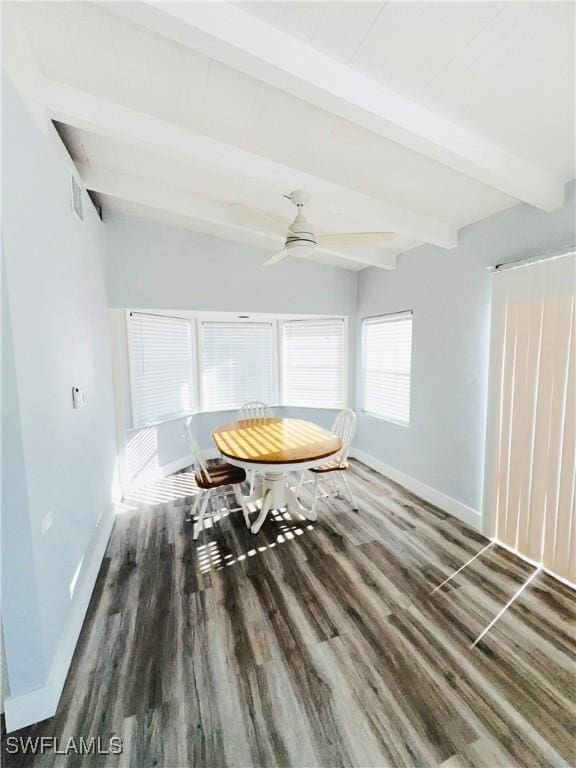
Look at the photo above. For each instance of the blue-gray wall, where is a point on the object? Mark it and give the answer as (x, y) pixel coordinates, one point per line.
(55, 335)
(449, 293)
(151, 265)
(157, 266)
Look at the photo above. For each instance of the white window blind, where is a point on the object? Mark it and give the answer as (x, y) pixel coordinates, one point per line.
(313, 370)
(161, 367)
(237, 362)
(387, 351)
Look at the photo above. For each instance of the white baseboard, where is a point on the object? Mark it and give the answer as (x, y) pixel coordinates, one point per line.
(426, 492)
(40, 703)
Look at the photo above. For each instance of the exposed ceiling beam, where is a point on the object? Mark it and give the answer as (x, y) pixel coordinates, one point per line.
(114, 121)
(210, 216)
(233, 37)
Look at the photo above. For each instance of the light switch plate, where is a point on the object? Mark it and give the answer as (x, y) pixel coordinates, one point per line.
(78, 397)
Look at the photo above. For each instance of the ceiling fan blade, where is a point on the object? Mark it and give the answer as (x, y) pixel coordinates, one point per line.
(355, 238)
(276, 258)
(254, 216)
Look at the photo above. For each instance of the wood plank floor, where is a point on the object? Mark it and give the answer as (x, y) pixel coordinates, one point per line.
(344, 642)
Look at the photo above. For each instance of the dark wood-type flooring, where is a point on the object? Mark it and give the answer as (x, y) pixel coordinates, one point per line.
(334, 644)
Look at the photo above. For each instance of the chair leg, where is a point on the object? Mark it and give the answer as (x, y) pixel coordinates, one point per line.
(349, 490)
(190, 515)
(335, 489)
(240, 501)
(299, 486)
(199, 524)
(252, 481)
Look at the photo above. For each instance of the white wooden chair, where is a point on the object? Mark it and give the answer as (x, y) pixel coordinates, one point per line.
(345, 427)
(254, 409)
(209, 479)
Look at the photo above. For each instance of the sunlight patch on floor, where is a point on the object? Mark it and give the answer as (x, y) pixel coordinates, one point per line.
(210, 556)
(505, 608)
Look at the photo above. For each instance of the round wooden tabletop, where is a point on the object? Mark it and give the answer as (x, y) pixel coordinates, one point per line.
(275, 441)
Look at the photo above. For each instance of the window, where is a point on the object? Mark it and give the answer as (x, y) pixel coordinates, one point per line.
(237, 364)
(313, 363)
(161, 367)
(179, 365)
(387, 351)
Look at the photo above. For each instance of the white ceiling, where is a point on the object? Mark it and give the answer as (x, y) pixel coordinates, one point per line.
(163, 130)
(503, 69)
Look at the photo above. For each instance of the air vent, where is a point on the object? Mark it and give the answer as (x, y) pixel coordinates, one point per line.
(76, 193)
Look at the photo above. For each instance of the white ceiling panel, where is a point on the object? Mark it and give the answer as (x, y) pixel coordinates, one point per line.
(92, 150)
(344, 26)
(335, 28)
(270, 13)
(519, 91)
(410, 43)
(171, 82)
(503, 71)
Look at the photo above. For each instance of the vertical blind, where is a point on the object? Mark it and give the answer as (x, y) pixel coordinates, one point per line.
(386, 361)
(237, 364)
(313, 367)
(161, 367)
(531, 439)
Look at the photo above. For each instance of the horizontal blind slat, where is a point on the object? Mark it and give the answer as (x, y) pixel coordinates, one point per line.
(161, 355)
(313, 363)
(237, 364)
(387, 353)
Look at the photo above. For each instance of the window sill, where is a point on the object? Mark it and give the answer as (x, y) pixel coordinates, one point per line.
(404, 424)
(186, 415)
(315, 407)
(158, 422)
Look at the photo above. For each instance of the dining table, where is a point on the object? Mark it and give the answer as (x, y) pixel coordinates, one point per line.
(274, 447)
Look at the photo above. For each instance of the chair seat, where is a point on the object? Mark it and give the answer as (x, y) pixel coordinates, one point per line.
(221, 474)
(332, 466)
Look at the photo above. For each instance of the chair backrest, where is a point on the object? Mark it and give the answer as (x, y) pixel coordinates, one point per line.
(199, 461)
(255, 410)
(345, 427)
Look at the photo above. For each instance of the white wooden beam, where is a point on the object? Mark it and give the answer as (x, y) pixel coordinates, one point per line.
(106, 118)
(210, 216)
(224, 32)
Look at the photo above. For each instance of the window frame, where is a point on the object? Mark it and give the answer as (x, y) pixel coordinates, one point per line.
(373, 319)
(345, 355)
(200, 357)
(132, 374)
(196, 319)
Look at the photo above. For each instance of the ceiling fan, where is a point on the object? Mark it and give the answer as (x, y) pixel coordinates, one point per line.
(300, 238)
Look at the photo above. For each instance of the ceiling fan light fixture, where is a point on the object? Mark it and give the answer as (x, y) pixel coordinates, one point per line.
(300, 238)
(300, 247)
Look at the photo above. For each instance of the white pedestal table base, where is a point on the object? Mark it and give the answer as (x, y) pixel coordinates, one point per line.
(276, 494)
